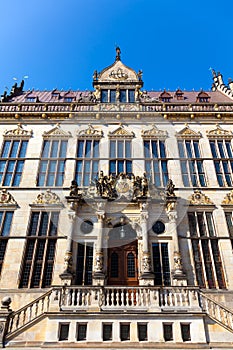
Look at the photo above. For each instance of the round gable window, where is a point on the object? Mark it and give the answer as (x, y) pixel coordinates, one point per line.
(86, 226)
(158, 227)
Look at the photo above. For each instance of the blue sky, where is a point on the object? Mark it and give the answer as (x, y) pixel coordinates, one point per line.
(60, 43)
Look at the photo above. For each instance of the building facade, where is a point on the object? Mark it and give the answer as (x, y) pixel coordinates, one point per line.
(116, 216)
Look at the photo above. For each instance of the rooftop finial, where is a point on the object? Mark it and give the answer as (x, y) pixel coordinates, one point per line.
(118, 53)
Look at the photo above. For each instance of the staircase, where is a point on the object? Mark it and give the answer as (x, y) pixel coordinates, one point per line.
(217, 312)
(61, 299)
(28, 314)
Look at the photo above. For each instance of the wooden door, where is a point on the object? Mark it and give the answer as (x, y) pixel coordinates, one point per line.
(123, 265)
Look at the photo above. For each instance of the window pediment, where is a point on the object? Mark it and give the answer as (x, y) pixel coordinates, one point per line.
(187, 133)
(7, 200)
(90, 132)
(121, 132)
(218, 132)
(228, 199)
(200, 199)
(19, 132)
(48, 199)
(57, 132)
(154, 133)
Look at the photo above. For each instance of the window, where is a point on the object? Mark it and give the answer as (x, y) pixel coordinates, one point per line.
(167, 331)
(84, 264)
(40, 249)
(142, 331)
(81, 331)
(114, 265)
(87, 163)
(124, 331)
(52, 164)
(125, 96)
(185, 331)
(130, 265)
(107, 331)
(206, 254)
(156, 162)
(63, 333)
(12, 162)
(5, 226)
(223, 161)
(191, 164)
(68, 99)
(161, 264)
(229, 220)
(120, 157)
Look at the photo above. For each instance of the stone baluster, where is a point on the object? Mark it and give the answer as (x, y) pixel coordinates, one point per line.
(98, 274)
(67, 274)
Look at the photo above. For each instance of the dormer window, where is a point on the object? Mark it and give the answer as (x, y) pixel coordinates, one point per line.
(179, 94)
(68, 99)
(31, 99)
(203, 97)
(165, 96)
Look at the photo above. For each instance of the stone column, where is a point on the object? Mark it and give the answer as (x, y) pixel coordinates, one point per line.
(146, 277)
(98, 274)
(178, 274)
(67, 274)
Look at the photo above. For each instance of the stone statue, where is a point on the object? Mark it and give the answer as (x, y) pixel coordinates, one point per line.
(74, 188)
(144, 185)
(170, 189)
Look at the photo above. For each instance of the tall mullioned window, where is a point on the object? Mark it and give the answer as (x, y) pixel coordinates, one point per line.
(206, 253)
(87, 163)
(156, 162)
(38, 261)
(84, 264)
(191, 163)
(161, 264)
(12, 162)
(223, 161)
(120, 157)
(5, 226)
(229, 219)
(52, 164)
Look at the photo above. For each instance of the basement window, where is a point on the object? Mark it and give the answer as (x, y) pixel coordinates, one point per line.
(185, 331)
(63, 331)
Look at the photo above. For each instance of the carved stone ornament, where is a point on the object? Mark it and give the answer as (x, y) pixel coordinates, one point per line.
(154, 133)
(99, 262)
(219, 133)
(188, 133)
(178, 266)
(90, 132)
(121, 132)
(6, 199)
(19, 132)
(199, 198)
(47, 198)
(228, 199)
(57, 132)
(146, 262)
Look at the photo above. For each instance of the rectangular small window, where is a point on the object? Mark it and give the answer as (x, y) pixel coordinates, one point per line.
(167, 331)
(124, 331)
(142, 331)
(81, 331)
(185, 331)
(63, 331)
(107, 331)
(104, 96)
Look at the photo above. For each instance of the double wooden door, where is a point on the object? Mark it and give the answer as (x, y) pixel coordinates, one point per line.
(123, 264)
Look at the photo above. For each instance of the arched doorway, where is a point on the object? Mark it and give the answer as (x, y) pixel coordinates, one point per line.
(122, 256)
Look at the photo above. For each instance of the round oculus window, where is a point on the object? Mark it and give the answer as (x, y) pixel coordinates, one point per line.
(86, 226)
(158, 227)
